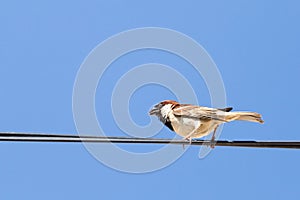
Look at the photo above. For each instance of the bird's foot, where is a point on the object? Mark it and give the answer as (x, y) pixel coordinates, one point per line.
(187, 139)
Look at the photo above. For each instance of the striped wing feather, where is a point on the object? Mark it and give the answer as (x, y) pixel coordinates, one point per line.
(200, 112)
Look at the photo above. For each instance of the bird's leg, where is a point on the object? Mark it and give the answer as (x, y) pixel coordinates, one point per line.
(189, 137)
(190, 140)
(212, 141)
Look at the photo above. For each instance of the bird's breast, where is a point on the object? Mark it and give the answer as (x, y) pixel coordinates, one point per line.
(183, 125)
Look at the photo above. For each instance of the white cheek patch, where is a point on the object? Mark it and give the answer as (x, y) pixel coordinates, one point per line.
(165, 110)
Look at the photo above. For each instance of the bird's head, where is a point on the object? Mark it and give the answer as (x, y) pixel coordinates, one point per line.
(162, 109)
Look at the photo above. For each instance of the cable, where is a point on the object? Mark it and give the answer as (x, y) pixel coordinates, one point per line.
(38, 137)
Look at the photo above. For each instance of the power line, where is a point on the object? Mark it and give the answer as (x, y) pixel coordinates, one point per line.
(38, 137)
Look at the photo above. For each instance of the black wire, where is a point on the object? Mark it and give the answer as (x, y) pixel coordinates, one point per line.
(38, 137)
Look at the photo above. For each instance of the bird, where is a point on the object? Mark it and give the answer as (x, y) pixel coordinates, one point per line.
(192, 121)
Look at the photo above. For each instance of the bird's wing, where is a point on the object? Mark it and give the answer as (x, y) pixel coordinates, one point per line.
(200, 112)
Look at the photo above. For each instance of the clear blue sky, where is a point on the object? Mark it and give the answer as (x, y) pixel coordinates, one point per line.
(255, 45)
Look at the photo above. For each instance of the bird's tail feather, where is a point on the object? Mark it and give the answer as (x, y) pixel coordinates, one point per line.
(245, 116)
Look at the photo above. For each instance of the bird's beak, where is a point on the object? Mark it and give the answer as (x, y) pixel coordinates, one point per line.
(154, 111)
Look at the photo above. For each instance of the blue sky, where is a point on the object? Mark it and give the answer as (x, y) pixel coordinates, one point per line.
(255, 45)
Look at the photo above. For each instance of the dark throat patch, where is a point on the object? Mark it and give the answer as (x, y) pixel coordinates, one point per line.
(168, 124)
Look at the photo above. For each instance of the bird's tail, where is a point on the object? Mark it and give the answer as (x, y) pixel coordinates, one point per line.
(245, 116)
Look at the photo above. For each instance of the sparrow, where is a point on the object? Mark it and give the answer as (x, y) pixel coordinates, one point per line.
(191, 121)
